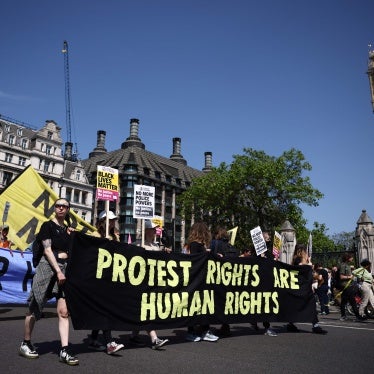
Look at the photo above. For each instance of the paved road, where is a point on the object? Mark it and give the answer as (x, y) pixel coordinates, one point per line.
(348, 347)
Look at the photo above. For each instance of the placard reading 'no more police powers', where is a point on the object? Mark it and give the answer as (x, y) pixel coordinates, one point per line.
(107, 183)
(144, 201)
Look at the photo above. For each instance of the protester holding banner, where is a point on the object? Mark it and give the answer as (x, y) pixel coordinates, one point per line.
(221, 247)
(198, 241)
(111, 346)
(267, 254)
(149, 245)
(49, 282)
(301, 257)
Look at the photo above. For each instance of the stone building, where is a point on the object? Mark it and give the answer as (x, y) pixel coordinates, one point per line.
(21, 146)
(170, 177)
(363, 240)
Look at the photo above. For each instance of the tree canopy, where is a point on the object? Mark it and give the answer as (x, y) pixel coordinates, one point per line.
(254, 190)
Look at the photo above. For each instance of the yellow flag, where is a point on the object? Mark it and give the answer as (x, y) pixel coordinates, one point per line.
(232, 234)
(30, 203)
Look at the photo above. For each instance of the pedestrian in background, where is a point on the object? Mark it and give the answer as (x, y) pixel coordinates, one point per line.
(322, 277)
(349, 289)
(365, 277)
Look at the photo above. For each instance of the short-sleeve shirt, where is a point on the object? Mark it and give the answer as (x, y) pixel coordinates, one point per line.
(345, 269)
(58, 234)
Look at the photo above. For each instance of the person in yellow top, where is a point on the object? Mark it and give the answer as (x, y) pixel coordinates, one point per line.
(364, 275)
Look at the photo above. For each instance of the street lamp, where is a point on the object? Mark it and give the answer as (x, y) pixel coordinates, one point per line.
(60, 185)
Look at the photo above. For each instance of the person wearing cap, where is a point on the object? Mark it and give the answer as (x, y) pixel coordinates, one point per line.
(149, 245)
(111, 346)
(363, 274)
(112, 227)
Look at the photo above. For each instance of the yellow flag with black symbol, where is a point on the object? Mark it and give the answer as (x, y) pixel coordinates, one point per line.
(28, 202)
(232, 235)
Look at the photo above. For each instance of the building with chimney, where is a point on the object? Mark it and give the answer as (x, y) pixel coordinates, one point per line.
(21, 146)
(137, 166)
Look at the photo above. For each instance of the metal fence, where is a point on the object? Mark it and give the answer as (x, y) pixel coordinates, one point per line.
(328, 259)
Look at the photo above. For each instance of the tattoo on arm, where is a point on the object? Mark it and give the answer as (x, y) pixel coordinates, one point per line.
(47, 243)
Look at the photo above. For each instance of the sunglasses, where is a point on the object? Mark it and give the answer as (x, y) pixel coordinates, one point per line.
(61, 206)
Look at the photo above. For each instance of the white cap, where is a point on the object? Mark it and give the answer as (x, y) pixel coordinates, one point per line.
(149, 224)
(111, 215)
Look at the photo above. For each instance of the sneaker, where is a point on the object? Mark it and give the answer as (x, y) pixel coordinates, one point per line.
(209, 337)
(137, 340)
(113, 347)
(292, 328)
(95, 345)
(193, 338)
(67, 358)
(319, 330)
(270, 332)
(323, 313)
(343, 318)
(255, 326)
(360, 318)
(158, 343)
(225, 331)
(28, 350)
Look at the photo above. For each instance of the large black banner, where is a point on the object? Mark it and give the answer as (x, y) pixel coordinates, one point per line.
(117, 286)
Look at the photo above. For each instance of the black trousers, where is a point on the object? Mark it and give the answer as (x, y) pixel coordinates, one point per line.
(348, 296)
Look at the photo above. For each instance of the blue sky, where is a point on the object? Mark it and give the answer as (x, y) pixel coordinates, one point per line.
(220, 74)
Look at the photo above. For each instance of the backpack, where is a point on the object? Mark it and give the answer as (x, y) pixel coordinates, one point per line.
(336, 281)
(37, 251)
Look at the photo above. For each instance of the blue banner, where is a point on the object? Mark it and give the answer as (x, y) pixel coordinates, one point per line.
(16, 273)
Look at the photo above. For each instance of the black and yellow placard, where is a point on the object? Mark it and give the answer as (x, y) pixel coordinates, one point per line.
(118, 286)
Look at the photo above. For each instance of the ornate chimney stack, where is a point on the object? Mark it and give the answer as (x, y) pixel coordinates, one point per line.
(208, 161)
(133, 139)
(176, 156)
(68, 151)
(100, 144)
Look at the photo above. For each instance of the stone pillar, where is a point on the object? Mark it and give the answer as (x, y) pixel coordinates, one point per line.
(364, 239)
(288, 242)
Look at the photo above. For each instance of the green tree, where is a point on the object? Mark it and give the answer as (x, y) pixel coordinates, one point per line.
(255, 189)
(344, 241)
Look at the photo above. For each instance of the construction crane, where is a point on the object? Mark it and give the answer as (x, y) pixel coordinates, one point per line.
(68, 145)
